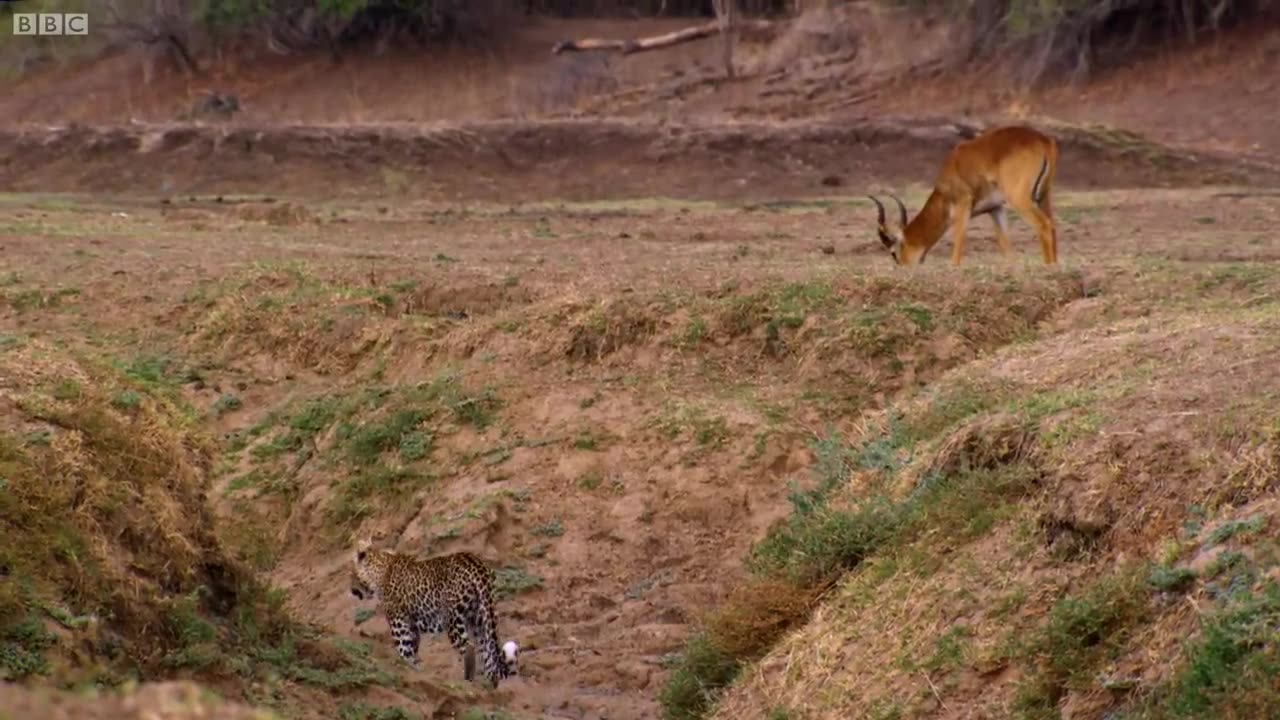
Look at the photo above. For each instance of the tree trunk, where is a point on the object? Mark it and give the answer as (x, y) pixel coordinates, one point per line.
(725, 13)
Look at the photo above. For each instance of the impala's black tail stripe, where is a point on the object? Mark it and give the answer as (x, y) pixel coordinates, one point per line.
(1037, 187)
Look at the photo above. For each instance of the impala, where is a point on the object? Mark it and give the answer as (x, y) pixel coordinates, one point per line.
(1011, 165)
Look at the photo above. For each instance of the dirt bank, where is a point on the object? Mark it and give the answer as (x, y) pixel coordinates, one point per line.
(513, 161)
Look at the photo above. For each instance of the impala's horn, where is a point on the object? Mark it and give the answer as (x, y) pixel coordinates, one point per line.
(902, 209)
(879, 207)
(885, 238)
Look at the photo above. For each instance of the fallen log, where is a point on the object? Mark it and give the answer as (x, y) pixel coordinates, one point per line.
(657, 42)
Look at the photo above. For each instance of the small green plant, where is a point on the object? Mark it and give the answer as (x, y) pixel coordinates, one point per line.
(591, 480)
(551, 528)
(700, 670)
(1233, 528)
(1230, 669)
(225, 403)
(127, 399)
(367, 442)
(362, 492)
(67, 389)
(694, 331)
(1081, 632)
(510, 581)
(586, 440)
(22, 647)
(415, 445)
(1171, 579)
(364, 711)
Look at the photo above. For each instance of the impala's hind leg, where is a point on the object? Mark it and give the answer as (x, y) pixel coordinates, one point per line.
(1043, 225)
(1046, 206)
(962, 212)
(1045, 203)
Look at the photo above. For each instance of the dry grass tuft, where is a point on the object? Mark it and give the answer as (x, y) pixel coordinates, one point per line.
(607, 328)
(756, 614)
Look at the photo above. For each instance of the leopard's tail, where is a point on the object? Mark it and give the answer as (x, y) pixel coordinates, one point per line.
(499, 661)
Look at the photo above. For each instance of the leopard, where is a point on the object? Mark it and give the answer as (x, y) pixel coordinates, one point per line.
(448, 593)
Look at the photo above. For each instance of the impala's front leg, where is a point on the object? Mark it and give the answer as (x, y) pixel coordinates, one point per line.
(958, 222)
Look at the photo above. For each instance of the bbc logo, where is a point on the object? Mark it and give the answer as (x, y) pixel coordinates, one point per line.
(50, 23)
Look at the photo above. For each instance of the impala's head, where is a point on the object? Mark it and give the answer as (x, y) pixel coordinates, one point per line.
(891, 232)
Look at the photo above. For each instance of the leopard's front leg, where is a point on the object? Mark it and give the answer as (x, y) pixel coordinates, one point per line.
(406, 638)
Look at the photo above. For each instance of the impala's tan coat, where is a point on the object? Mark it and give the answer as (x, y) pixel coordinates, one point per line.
(1011, 165)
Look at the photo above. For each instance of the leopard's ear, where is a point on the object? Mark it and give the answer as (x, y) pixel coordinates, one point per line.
(362, 549)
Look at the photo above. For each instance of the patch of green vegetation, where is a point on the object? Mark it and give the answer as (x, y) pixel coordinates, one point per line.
(707, 430)
(884, 710)
(1242, 275)
(949, 650)
(479, 714)
(797, 300)
(364, 711)
(1170, 578)
(701, 670)
(415, 445)
(510, 581)
(312, 418)
(1082, 632)
(775, 308)
(369, 441)
(919, 315)
(225, 403)
(695, 330)
(264, 481)
(591, 479)
(948, 407)
(1231, 669)
(1042, 405)
(22, 647)
(551, 528)
(369, 487)
(126, 400)
(589, 440)
(1234, 528)
(471, 406)
(35, 299)
(153, 372)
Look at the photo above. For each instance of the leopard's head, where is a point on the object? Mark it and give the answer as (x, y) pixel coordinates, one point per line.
(365, 570)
